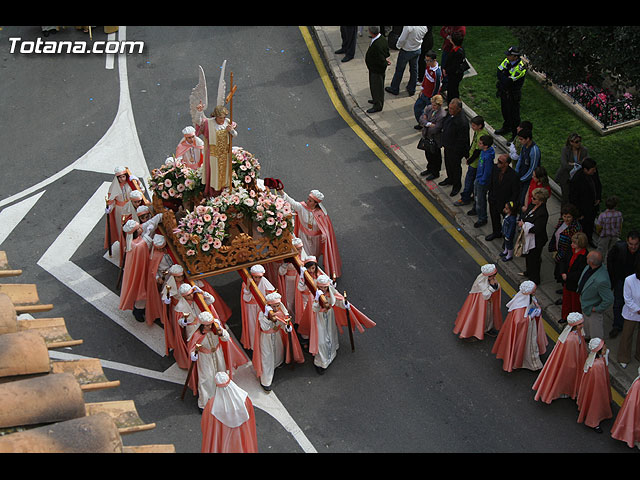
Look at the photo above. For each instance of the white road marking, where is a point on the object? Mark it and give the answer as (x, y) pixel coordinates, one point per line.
(11, 216)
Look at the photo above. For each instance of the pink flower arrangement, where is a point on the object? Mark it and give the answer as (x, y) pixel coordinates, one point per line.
(174, 180)
(246, 168)
(201, 230)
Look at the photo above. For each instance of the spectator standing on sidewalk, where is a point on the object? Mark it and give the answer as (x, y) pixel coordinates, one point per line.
(608, 226)
(534, 221)
(453, 70)
(431, 84)
(483, 178)
(427, 44)
(477, 125)
(631, 316)
(455, 140)
(432, 120)
(621, 262)
(503, 188)
(377, 60)
(511, 74)
(594, 288)
(528, 160)
(571, 157)
(349, 37)
(539, 179)
(446, 33)
(409, 44)
(560, 242)
(585, 192)
(572, 267)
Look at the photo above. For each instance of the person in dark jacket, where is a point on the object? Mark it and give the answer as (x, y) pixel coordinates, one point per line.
(455, 140)
(572, 267)
(483, 178)
(621, 262)
(585, 192)
(504, 187)
(537, 215)
(377, 60)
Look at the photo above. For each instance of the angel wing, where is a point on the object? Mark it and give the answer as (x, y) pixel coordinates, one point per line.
(222, 85)
(198, 94)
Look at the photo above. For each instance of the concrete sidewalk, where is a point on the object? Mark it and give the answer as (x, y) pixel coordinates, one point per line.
(393, 128)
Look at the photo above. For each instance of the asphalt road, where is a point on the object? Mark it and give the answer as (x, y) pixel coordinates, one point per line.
(410, 385)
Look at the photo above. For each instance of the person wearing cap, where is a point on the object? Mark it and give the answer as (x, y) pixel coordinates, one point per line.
(561, 374)
(217, 132)
(223, 312)
(190, 150)
(170, 295)
(133, 293)
(314, 227)
(481, 312)
(271, 342)
(522, 338)
(626, 427)
(159, 263)
(205, 348)
(249, 306)
(289, 276)
(594, 394)
(185, 321)
(323, 340)
(304, 297)
(228, 421)
(117, 198)
(511, 74)
(130, 209)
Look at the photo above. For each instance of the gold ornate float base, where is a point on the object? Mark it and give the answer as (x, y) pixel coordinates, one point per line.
(242, 250)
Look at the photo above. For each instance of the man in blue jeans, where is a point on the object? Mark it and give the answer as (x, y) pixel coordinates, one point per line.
(483, 178)
(409, 43)
(477, 125)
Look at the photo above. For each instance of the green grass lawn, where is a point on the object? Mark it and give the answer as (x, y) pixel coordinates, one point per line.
(616, 153)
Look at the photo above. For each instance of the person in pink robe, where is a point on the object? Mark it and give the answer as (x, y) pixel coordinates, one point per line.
(158, 261)
(594, 394)
(249, 306)
(313, 225)
(626, 428)
(522, 338)
(481, 312)
(133, 293)
(228, 421)
(561, 374)
(190, 150)
(117, 199)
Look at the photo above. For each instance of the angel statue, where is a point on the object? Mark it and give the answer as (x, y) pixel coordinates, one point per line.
(217, 130)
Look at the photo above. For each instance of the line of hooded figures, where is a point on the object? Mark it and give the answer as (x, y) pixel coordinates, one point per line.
(194, 316)
(576, 368)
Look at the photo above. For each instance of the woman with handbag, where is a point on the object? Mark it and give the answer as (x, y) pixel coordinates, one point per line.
(536, 216)
(432, 120)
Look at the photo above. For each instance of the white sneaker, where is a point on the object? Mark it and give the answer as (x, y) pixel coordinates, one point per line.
(623, 365)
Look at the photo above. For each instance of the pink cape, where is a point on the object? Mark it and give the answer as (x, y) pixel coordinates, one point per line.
(331, 259)
(358, 321)
(256, 359)
(134, 277)
(626, 428)
(511, 341)
(594, 394)
(563, 369)
(169, 324)
(183, 146)
(154, 305)
(111, 227)
(218, 438)
(472, 317)
(233, 357)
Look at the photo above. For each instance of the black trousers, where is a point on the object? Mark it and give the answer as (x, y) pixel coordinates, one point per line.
(349, 37)
(376, 85)
(533, 262)
(510, 107)
(434, 162)
(453, 167)
(495, 213)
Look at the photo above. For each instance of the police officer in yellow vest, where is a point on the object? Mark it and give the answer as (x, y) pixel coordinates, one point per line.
(511, 74)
